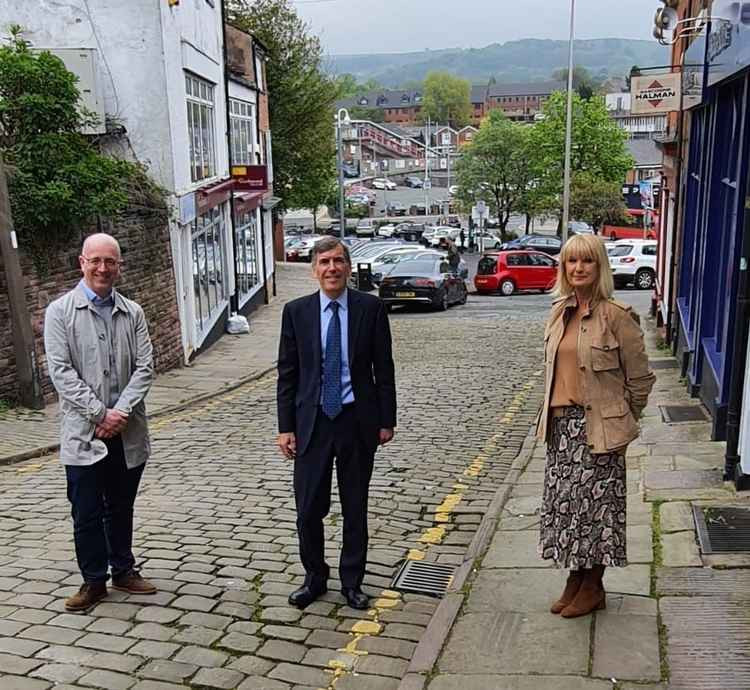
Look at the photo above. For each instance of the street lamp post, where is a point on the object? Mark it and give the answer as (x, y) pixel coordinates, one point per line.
(340, 157)
(568, 126)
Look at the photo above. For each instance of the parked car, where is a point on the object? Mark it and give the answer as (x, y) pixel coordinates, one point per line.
(387, 262)
(414, 181)
(423, 281)
(301, 250)
(634, 261)
(396, 209)
(369, 255)
(386, 230)
(366, 227)
(441, 232)
(577, 227)
(409, 231)
(427, 233)
(549, 244)
(383, 183)
(514, 270)
(358, 189)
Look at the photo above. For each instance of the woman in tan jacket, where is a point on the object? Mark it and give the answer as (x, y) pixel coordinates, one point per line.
(597, 382)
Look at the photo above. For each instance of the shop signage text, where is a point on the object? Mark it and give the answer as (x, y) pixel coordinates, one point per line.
(655, 94)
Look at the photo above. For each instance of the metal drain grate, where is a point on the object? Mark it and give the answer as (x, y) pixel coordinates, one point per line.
(663, 363)
(424, 578)
(722, 530)
(682, 413)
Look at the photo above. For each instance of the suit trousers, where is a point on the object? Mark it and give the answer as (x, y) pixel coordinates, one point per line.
(102, 496)
(333, 439)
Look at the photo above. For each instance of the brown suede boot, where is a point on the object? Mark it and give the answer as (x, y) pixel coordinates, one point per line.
(573, 584)
(133, 583)
(591, 596)
(88, 595)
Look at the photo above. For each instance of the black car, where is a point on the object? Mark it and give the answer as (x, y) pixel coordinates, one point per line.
(414, 181)
(427, 281)
(549, 244)
(409, 231)
(396, 209)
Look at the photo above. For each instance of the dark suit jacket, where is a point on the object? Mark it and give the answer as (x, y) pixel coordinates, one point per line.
(370, 363)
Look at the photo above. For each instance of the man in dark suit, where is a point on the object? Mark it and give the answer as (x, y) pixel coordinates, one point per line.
(336, 399)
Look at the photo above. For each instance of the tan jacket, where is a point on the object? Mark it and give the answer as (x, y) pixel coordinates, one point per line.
(615, 377)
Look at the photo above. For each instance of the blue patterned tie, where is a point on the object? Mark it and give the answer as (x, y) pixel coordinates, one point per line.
(332, 365)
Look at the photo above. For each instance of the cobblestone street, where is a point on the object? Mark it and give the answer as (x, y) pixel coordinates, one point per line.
(215, 528)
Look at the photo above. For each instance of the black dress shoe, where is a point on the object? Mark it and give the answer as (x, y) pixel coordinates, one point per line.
(306, 595)
(356, 598)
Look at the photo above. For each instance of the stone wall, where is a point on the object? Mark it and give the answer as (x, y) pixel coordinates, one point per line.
(147, 278)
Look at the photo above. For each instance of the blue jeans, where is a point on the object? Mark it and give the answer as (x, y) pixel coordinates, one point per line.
(102, 497)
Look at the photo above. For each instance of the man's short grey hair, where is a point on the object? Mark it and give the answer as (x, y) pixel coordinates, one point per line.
(328, 244)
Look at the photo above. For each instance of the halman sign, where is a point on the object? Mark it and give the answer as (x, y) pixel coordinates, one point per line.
(655, 94)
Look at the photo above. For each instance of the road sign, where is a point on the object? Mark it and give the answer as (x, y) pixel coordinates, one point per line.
(481, 207)
(427, 183)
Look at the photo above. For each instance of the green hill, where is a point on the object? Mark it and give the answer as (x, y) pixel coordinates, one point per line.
(514, 61)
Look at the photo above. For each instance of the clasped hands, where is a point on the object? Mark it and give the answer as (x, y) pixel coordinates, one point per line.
(114, 423)
(287, 442)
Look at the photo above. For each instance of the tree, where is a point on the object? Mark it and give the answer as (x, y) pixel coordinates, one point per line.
(598, 146)
(596, 201)
(301, 97)
(446, 99)
(59, 180)
(495, 167)
(349, 87)
(359, 112)
(583, 82)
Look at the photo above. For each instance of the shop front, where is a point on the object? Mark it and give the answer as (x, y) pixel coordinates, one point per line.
(713, 183)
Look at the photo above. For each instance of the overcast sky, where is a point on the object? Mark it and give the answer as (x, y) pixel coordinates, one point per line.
(394, 26)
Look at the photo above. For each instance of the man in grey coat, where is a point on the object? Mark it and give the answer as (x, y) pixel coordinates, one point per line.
(100, 361)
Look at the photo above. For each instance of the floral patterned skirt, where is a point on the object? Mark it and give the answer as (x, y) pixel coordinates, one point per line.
(584, 499)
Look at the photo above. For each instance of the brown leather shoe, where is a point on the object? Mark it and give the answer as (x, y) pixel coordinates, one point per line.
(591, 596)
(573, 584)
(133, 583)
(88, 595)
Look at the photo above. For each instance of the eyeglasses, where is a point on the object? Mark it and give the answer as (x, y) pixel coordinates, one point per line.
(97, 261)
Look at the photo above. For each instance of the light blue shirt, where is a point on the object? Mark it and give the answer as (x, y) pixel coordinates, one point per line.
(104, 307)
(347, 393)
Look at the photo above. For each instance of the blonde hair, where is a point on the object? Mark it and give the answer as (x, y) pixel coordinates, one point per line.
(588, 247)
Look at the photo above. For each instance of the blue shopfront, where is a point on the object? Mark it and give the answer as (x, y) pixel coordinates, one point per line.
(714, 252)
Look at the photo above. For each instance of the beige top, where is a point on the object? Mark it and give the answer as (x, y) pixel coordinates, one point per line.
(566, 389)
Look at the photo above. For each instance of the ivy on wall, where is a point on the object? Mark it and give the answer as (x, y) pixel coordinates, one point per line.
(59, 180)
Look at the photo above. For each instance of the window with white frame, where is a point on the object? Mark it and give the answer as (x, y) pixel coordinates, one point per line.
(246, 230)
(209, 275)
(200, 112)
(242, 123)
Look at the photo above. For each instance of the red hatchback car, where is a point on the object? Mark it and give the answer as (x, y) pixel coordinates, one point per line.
(510, 271)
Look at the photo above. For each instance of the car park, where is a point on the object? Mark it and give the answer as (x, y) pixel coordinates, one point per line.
(383, 183)
(634, 261)
(514, 270)
(427, 281)
(549, 244)
(414, 181)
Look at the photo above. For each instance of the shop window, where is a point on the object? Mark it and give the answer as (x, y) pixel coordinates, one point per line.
(246, 231)
(209, 275)
(242, 123)
(200, 116)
